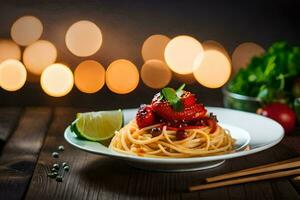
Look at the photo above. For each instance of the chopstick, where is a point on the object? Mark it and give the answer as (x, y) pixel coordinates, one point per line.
(297, 178)
(246, 180)
(287, 164)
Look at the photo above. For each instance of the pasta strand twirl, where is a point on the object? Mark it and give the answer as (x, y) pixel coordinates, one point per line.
(199, 142)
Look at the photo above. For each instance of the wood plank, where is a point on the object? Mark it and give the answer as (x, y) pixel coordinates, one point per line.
(91, 176)
(292, 143)
(213, 193)
(96, 177)
(262, 189)
(258, 190)
(20, 153)
(275, 189)
(284, 188)
(8, 119)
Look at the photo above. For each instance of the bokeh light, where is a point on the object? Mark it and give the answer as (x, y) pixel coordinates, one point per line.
(89, 76)
(12, 75)
(214, 45)
(122, 76)
(181, 53)
(154, 47)
(39, 55)
(214, 71)
(57, 80)
(185, 78)
(9, 50)
(243, 54)
(26, 30)
(83, 38)
(156, 74)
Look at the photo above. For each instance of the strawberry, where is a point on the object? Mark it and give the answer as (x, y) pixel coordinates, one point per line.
(165, 110)
(145, 116)
(188, 99)
(191, 110)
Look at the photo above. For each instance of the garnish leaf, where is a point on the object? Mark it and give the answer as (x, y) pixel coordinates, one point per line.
(179, 91)
(173, 97)
(180, 88)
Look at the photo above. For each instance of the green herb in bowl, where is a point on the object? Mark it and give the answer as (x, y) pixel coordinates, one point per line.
(270, 77)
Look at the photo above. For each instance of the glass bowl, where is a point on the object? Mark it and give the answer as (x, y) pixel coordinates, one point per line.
(240, 102)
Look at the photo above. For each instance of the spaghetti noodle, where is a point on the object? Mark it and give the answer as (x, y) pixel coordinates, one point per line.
(166, 144)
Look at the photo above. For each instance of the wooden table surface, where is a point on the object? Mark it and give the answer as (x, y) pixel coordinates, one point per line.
(29, 135)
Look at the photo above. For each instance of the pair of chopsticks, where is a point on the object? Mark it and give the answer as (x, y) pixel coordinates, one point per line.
(277, 170)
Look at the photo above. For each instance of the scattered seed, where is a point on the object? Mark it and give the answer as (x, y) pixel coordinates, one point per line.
(55, 154)
(52, 174)
(61, 148)
(59, 178)
(54, 169)
(66, 168)
(56, 166)
(64, 164)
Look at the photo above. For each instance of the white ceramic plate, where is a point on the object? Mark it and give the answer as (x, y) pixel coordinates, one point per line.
(255, 131)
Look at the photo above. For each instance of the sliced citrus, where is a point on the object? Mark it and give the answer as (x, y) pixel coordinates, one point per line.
(97, 126)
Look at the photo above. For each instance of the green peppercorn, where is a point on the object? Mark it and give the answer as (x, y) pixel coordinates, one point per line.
(64, 164)
(54, 169)
(52, 174)
(66, 168)
(56, 166)
(61, 148)
(55, 154)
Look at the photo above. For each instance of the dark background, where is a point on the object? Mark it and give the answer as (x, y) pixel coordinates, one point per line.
(126, 24)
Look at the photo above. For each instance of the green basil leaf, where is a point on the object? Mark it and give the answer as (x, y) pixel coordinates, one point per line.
(178, 106)
(170, 95)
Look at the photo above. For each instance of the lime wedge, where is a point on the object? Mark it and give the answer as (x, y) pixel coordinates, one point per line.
(97, 126)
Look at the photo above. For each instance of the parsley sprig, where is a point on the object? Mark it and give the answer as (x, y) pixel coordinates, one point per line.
(269, 77)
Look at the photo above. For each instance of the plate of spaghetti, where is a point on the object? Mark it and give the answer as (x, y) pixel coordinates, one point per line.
(173, 132)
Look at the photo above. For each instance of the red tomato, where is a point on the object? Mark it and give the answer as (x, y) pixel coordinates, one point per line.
(281, 113)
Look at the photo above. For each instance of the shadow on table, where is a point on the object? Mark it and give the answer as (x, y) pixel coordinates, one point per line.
(114, 178)
(118, 178)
